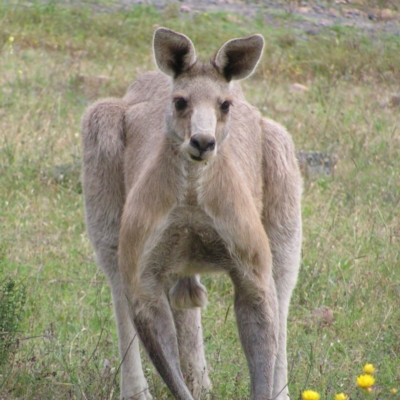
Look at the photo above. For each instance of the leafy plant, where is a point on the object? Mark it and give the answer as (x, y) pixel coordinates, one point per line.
(12, 301)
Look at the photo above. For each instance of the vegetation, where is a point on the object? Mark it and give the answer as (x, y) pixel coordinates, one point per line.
(55, 60)
(12, 300)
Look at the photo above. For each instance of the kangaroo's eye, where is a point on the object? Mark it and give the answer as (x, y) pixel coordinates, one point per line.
(225, 106)
(180, 104)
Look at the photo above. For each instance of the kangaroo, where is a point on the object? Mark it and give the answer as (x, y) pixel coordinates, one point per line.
(184, 177)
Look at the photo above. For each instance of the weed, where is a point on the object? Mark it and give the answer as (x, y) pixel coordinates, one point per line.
(12, 301)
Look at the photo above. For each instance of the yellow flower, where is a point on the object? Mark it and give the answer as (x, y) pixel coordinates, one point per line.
(365, 381)
(393, 391)
(11, 39)
(310, 395)
(341, 396)
(369, 369)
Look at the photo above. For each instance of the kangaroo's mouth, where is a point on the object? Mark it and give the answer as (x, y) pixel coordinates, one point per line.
(195, 158)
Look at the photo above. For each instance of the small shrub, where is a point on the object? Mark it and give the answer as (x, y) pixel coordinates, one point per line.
(12, 301)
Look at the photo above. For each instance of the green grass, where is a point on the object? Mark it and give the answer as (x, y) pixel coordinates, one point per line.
(351, 258)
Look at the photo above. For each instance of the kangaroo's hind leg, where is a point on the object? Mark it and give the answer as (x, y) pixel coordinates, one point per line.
(282, 223)
(103, 186)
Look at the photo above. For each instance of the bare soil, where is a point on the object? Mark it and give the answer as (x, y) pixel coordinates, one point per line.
(309, 17)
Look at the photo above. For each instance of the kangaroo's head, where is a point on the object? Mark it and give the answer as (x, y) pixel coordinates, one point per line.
(197, 115)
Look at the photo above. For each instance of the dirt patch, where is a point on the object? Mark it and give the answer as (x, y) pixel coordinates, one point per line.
(309, 17)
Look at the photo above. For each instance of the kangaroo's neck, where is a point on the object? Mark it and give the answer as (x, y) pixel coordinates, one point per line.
(186, 176)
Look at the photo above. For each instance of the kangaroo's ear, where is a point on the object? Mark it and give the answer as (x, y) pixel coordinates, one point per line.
(238, 58)
(174, 53)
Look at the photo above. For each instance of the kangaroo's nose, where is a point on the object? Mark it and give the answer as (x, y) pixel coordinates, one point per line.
(202, 142)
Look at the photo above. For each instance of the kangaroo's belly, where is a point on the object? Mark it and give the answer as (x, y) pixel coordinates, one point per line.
(191, 245)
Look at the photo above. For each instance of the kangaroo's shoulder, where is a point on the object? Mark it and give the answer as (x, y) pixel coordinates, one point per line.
(151, 87)
(277, 139)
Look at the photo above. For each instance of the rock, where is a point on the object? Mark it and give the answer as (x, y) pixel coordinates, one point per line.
(298, 87)
(322, 316)
(386, 15)
(313, 163)
(394, 100)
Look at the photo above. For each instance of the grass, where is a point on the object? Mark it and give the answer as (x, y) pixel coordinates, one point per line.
(51, 60)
